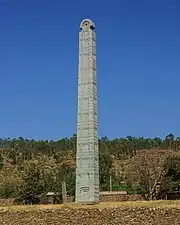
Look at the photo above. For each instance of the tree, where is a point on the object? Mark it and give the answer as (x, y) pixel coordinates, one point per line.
(105, 164)
(172, 182)
(149, 171)
(32, 186)
(54, 161)
(9, 182)
(1, 161)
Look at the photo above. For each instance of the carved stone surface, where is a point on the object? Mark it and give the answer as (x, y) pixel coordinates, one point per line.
(87, 156)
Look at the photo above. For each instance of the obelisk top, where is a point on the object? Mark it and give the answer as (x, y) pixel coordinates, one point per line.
(87, 23)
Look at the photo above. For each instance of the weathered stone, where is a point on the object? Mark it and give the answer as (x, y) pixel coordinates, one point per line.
(87, 156)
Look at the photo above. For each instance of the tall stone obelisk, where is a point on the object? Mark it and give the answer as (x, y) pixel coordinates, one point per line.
(87, 155)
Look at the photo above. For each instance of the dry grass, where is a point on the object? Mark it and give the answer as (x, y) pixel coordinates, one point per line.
(104, 205)
(107, 213)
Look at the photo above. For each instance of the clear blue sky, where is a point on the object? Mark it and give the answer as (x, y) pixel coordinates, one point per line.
(138, 65)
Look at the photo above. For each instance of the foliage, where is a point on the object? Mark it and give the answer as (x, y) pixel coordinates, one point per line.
(105, 162)
(172, 182)
(1, 161)
(150, 170)
(32, 186)
(10, 181)
(29, 169)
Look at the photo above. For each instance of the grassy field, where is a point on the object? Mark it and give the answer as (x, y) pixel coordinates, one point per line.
(126, 213)
(102, 205)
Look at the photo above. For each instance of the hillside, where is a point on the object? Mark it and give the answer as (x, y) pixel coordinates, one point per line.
(129, 213)
(29, 169)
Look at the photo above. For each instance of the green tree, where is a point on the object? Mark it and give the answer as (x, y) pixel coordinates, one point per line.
(172, 182)
(105, 164)
(1, 161)
(32, 186)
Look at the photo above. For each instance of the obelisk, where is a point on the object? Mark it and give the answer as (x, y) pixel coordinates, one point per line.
(87, 155)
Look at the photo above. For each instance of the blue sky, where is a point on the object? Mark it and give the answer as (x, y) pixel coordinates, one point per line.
(138, 66)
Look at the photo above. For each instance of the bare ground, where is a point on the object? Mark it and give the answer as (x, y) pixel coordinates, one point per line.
(126, 213)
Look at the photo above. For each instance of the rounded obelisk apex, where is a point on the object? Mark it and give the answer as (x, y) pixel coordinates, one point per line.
(87, 23)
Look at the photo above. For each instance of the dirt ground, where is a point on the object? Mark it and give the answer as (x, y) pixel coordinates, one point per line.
(126, 213)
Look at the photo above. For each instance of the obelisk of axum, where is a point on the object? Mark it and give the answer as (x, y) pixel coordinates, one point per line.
(87, 155)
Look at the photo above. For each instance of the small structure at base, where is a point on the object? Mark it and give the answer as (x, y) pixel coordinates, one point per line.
(51, 197)
(54, 197)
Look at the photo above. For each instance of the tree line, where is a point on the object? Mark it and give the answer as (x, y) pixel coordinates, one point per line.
(30, 168)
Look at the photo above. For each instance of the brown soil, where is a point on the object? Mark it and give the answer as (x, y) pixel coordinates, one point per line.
(127, 213)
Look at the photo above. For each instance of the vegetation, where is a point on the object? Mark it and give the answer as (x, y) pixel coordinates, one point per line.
(29, 169)
(141, 213)
(150, 171)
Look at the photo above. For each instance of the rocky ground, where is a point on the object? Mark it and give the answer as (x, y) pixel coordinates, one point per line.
(152, 213)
